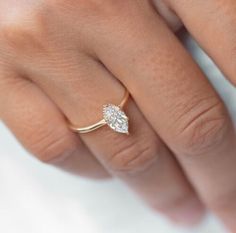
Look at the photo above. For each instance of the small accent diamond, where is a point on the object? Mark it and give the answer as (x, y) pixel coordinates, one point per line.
(115, 118)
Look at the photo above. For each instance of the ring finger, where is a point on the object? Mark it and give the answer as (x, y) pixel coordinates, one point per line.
(188, 113)
(140, 159)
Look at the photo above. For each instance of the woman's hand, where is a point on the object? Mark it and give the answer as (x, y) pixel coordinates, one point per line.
(67, 58)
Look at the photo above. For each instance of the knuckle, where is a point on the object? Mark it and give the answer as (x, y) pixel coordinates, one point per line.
(24, 31)
(204, 130)
(49, 146)
(133, 157)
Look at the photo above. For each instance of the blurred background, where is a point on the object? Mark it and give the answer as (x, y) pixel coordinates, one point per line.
(37, 198)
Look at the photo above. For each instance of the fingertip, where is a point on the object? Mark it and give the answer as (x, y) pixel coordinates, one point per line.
(190, 214)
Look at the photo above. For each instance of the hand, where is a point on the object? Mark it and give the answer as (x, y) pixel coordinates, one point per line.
(67, 58)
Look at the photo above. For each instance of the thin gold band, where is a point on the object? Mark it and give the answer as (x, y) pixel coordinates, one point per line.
(102, 122)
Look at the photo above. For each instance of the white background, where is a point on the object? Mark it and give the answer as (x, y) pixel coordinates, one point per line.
(35, 198)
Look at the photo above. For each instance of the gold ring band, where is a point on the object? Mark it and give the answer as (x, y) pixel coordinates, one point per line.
(113, 116)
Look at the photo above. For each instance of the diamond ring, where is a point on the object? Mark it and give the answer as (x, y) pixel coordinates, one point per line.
(113, 116)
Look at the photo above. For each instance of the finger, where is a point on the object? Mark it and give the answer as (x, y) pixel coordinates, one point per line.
(42, 129)
(213, 24)
(141, 159)
(177, 100)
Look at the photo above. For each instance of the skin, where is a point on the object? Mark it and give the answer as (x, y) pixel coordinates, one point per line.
(67, 58)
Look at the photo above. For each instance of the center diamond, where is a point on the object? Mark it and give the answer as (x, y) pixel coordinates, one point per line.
(115, 118)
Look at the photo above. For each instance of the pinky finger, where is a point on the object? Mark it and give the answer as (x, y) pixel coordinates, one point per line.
(41, 128)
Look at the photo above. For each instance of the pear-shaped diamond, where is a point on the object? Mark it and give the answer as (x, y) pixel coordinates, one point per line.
(116, 118)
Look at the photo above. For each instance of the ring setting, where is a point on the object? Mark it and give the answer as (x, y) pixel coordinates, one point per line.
(113, 116)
